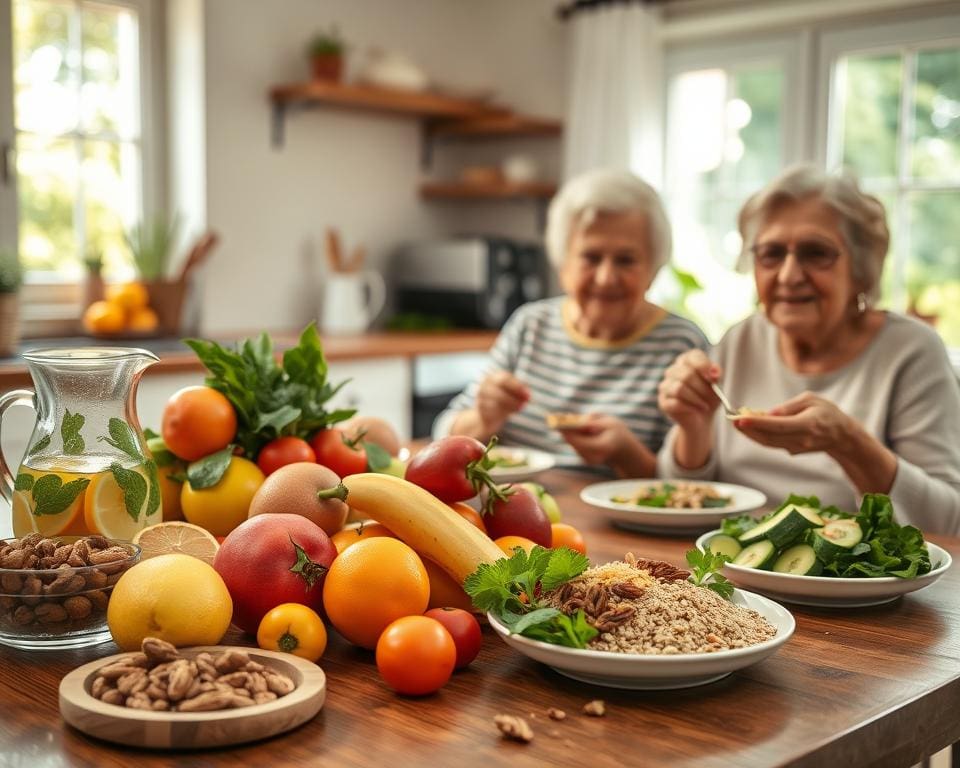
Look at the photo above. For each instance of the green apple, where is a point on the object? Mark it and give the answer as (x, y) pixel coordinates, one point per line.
(547, 503)
(396, 468)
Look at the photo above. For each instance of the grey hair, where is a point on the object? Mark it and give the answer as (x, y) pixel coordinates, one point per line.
(863, 220)
(583, 197)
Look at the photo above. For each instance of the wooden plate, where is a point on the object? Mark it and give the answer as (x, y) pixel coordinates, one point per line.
(187, 730)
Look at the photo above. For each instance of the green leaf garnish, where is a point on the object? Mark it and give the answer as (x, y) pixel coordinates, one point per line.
(134, 489)
(40, 445)
(70, 432)
(122, 438)
(208, 471)
(51, 496)
(705, 567)
(153, 484)
(377, 457)
(24, 482)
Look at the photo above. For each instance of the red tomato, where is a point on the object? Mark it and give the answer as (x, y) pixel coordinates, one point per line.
(415, 655)
(336, 452)
(282, 451)
(463, 628)
(449, 468)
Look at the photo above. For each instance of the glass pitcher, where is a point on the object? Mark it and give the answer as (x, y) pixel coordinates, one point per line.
(86, 468)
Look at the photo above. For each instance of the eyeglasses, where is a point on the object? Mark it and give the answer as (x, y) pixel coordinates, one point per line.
(810, 254)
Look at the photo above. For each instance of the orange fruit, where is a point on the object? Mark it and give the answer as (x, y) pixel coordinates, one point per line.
(371, 584)
(508, 543)
(358, 532)
(567, 536)
(186, 538)
(444, 591)
(198, 421)
(127, 296)
(104, 317)
(469, 514)
(175, 597)
(143, 319)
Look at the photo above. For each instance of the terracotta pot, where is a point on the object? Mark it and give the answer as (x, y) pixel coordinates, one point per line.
(166, 298)
(9, 323)
(328, 67)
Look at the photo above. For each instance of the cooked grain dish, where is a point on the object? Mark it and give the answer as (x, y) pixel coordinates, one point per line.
(675, 496)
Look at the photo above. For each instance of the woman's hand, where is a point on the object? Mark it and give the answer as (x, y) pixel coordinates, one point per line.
(804, 424)
(684, 393)
(500, 395)
(607, 440)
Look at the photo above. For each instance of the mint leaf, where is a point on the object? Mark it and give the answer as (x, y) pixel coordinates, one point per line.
(122, 438)
(51, 496)
(40, 445)
(153, 484)
(377, 458)
(70, 431)
(208, 471)
(150, 434)
(24, 482)
(162, 455)
(134, 489)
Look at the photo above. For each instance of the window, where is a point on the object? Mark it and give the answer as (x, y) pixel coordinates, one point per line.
(895, 119)
(77, 119)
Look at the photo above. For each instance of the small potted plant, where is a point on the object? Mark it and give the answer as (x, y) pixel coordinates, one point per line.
(10, 278)
(325, 51)
(151, 245)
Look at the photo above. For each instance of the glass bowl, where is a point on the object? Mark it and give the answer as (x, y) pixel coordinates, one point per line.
(63, 606)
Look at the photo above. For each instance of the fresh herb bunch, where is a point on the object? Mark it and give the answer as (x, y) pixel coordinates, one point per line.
(326, 43)
(705, 567)
(272, 400)
(10, 272)
(511, 589)
(151, 243)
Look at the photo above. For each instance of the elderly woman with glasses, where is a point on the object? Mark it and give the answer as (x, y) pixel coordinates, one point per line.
(863, 400)
(577, 375)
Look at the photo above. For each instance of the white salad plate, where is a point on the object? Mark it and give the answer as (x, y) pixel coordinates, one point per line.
(534, 462)
(832, 592)
(666, 520)
(655, 672)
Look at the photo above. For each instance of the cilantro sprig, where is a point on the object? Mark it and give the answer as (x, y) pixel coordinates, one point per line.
(705, 567)
(511, 590)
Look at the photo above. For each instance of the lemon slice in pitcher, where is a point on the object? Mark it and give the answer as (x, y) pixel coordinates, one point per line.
(105, 507)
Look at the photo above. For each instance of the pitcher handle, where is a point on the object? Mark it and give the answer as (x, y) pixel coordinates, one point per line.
(15, 397)
(378, 293)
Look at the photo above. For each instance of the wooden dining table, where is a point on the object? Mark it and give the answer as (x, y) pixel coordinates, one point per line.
(875, 686)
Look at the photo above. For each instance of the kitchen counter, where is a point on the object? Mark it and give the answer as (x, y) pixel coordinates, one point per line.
(175, 357)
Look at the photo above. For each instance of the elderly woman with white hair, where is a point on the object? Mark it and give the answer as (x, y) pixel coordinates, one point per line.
(594, 356)
(864, 400)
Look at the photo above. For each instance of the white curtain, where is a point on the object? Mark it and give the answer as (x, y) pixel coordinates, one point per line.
(614, 116)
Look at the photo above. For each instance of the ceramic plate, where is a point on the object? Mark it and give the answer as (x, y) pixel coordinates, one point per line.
(192, 730)
(662, 520)
(827, 592)
(651, 673)
(529, 462)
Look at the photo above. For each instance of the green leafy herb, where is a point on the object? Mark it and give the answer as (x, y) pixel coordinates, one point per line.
(153, 484)
(24, 482)
(272, 400)
(377, 458)
(122, 438)
(208, 471)
(70, 431)
(737, 526)
(40, 445)
(160, 453)
(511, 587)
(51, 496)
(134, 489)
(705, 567)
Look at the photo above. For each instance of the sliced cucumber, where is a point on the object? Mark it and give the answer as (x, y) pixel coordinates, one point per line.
(799, 560)
(784, 528)
(721, 544)
(760, 555)
(836, 538)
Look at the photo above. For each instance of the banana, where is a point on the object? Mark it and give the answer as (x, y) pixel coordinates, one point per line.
(421, 520)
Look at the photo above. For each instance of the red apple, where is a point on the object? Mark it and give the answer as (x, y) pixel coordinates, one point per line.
(519, 515)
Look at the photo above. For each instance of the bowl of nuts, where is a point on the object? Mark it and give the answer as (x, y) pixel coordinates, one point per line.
(54, 591)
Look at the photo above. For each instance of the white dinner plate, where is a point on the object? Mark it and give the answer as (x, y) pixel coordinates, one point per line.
(656, 672)
(535, 462)
(832, 592)
(663, 520)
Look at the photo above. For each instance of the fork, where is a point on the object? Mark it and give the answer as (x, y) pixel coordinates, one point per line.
(730, 410)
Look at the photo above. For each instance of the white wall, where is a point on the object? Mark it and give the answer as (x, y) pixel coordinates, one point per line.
(356, 171)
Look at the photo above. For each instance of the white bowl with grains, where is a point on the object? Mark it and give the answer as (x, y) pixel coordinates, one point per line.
(675, 634)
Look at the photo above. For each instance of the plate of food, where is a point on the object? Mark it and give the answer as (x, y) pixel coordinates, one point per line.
(670, 506)
(811, 555)
(656, 629)
(512, 465)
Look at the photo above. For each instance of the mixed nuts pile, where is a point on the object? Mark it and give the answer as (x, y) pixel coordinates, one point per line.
(48, 582)
(160, 679)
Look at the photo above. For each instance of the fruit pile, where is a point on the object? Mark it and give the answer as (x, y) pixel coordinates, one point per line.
(125, 309)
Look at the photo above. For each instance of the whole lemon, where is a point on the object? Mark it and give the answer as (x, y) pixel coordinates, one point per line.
(223, 506)
(175, 597)
(104, 317)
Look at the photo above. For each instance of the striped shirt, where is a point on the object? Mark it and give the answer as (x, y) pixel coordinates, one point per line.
(569, 372)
